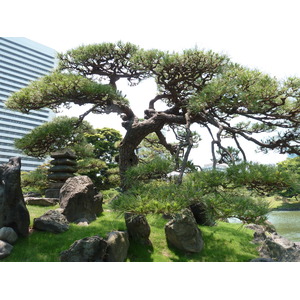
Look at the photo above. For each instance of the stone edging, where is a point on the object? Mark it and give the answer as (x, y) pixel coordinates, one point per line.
(272, 246)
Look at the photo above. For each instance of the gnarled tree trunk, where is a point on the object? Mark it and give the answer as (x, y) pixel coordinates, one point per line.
(136, 132)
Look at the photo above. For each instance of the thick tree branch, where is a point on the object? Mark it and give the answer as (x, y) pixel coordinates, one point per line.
(162, 140)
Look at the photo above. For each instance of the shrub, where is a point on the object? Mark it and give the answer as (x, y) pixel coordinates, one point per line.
(222, 196)
(155, 169)
(36, 180)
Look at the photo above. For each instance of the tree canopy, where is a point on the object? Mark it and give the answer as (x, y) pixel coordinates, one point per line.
(61, 132)
(197, 87)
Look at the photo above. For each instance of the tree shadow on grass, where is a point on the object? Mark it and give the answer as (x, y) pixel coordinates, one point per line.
(220, 245)
(139, 253)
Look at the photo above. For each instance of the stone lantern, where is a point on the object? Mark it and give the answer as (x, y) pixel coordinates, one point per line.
(64, 166)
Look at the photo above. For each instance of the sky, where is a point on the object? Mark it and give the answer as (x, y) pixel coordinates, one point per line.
(258, 34)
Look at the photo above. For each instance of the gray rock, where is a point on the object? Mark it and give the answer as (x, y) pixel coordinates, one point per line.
(51, 221)
(138, 228)
(5, 249)
(32, 194)
(82, 222)
(90, 249)
(77, 199)
(13, 210)
(202, 214)
(117, 246)
(41, 201)
(280, 249)
(183, 233)
(7, 234)
(273, 246)
(52, 193)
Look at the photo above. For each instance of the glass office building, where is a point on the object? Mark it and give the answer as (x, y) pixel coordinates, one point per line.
(21, 61)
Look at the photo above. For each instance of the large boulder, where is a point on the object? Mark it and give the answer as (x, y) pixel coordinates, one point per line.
(7, 234)
(183, 233)
(77, 199)
(51, 221)
(13, 211)
(138, 228)
(89, 249)
(5, 249)
(117, 246)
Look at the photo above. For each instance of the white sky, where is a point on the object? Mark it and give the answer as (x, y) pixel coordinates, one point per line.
(258, 34)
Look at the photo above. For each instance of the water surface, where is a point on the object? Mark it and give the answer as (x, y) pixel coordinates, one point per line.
(287, 224)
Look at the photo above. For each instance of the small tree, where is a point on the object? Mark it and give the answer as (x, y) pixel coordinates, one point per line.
(105, 141)
(36, 180)
(61, 132)
(291, 167)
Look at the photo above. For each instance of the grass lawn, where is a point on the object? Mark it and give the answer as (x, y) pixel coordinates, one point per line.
(282, 203)
(223, 243)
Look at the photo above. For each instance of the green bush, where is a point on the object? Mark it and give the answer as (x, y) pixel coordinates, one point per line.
(291, 168)
(36, 180)
(155, 169)
(154, 197)
(258, 177)
(223, 195)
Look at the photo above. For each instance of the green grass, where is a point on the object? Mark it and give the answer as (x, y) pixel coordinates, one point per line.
(223, 243)
(282, 203)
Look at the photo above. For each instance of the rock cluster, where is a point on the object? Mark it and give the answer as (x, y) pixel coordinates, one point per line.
(274, 247)
(7, 238)
(78, 204)
(97, 249)
(64, 166)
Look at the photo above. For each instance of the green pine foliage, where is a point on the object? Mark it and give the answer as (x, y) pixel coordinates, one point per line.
(155, 169)
(56, 88)
(62, 132)
(240, 191)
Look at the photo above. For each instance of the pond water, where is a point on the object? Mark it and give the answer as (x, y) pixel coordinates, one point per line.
(287, 224)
